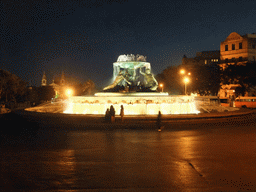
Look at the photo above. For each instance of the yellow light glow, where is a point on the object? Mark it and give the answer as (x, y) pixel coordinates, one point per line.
(182, 71)
(162, 86)
(69, 92)
(189, 73)
(186, 80)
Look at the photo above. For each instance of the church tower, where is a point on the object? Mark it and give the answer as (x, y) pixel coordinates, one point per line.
(44, 80)
(62, 79)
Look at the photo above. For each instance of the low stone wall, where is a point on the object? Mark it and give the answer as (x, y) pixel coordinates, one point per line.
(204, 105)
(213, 107)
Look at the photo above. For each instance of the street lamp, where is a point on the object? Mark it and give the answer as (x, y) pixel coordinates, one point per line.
(162, 86)
(186, 80)
(69, 92)
(182, 71)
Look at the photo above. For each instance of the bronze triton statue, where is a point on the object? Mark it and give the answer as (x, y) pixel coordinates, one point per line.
(150, 81)
(128, 74)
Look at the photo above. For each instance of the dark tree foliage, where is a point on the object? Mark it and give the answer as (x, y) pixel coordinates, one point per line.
(45, 93)
(245, 75)
(203, 79)
(171, 80)
(12, 88)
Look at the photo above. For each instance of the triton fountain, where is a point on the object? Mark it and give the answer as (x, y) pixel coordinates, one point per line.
(135, 88)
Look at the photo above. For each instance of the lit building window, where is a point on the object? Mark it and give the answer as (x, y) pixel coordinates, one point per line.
(233, 47)
(226, 47)
(240, 46)
(205, 61)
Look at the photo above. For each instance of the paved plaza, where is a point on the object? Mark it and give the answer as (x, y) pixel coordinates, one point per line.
(200, 155)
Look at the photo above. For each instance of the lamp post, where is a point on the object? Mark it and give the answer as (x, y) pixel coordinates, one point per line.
(162, 86)
(186, 80)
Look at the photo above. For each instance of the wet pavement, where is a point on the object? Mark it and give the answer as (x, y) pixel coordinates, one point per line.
(201, 156)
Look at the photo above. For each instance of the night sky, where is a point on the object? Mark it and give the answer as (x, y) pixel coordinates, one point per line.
(84, 38)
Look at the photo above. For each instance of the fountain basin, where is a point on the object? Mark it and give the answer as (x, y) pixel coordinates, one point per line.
(134, 104)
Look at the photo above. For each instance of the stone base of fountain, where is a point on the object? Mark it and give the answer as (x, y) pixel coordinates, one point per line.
(138, 103)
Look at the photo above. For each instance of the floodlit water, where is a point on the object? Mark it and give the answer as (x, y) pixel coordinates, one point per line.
(134, 104)
(133, 109)
(143, 160)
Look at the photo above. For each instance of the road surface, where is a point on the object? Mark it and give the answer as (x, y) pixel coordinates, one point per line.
(207, 157)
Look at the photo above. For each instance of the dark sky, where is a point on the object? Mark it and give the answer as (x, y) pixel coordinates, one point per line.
(84, 38)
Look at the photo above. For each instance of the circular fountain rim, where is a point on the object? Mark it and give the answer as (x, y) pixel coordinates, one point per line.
(136, 94)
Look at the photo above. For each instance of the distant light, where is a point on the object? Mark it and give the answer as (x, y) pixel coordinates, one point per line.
(182, 71)
(162, 86)
(189, 73)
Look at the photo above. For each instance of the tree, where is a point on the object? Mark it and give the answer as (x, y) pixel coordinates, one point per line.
(245, 75)
(45, 93)
(11, 86)
(170, 78)
(203, 79)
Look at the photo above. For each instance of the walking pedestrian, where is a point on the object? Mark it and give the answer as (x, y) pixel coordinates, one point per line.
(112, 114)
(107, 115)
(122, 113)
(159, 121)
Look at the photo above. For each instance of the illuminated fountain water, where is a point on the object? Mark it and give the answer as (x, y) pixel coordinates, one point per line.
(134, 82)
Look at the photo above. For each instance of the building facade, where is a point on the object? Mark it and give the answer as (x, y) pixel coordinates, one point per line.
(202, 58)
(44, 80)
(58, 87)
(237, 49)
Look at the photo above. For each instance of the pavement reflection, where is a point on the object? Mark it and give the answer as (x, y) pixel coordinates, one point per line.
(212, 159)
